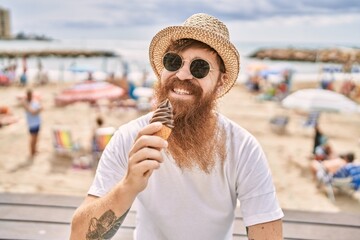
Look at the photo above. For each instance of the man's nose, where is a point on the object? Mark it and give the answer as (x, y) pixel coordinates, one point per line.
(184, 72)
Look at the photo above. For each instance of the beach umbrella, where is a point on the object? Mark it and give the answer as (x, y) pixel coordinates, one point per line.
(89, 91)
(268, 72)
(80, 69)
(256, 67)
(4, 79)
(332, 69)
(143, 92)
(320, 100)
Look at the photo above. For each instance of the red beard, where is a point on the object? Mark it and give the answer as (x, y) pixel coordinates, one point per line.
(196, 139)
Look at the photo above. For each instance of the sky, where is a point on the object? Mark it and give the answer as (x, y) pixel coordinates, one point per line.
(286, 21)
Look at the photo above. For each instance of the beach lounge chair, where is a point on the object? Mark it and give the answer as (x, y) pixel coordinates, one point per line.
(65, 146)
(101, 139)
(346, 179)
(324, 179)
(278, 124)
(63, 141)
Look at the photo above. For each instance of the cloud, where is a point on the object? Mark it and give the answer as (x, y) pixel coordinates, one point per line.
(152, 12)
(83, 24)
(161, 11)
(120, 16)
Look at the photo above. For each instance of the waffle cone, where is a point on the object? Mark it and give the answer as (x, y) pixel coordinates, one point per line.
(164, 133)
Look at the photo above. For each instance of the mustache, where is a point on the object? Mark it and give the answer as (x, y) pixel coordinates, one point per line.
(189, 85)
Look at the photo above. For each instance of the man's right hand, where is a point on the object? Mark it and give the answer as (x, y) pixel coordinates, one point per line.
(144, 157)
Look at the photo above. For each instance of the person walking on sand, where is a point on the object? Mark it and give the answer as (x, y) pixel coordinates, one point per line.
(32, 111)
(186, 187)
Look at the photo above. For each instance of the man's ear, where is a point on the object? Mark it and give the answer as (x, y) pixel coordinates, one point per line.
(223, 78)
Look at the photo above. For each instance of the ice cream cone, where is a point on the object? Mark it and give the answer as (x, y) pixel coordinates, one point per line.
(164, 133)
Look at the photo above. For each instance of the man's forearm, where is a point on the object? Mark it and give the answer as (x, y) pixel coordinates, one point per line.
(269, 231)
(106, 226)
(101, 218)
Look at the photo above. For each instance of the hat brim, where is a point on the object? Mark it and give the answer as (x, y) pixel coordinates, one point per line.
(223, 47)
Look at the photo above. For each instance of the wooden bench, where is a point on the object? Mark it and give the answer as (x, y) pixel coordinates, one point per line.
(30, 216)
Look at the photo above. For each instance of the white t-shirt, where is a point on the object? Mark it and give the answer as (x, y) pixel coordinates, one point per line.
(190, 204)
(33, 120)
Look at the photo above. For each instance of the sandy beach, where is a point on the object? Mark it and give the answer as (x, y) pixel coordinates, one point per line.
(287, 153)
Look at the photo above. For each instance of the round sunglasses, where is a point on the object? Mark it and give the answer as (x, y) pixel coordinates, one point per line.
(199, 68)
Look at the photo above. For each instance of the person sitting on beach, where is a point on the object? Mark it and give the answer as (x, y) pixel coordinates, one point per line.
(287, 75)
(99, 123)
(327, 80)
(187, 186)
(255, 82)
(323, 151)
(331, 166)
(6, 117)
(327, 84)
(347, 88)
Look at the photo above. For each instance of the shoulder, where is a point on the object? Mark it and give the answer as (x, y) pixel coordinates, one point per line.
(242, 147)
(234, 131)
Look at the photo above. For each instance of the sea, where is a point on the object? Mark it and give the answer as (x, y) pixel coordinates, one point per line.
(133, 55)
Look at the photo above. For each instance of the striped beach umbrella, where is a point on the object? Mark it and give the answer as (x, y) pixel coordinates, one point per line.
(89, 91)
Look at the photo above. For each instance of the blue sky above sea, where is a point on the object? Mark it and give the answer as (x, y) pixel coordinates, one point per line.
(249, 21)
(127, 27)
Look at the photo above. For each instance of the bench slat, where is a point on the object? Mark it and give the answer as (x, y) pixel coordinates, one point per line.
(40, 199)
(46, 231)
(346, 219)
(302, 231)
(36, 216)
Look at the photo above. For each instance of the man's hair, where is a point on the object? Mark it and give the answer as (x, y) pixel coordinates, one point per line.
(348, 157)
(29, 95)
(186, 43)
(99, 121)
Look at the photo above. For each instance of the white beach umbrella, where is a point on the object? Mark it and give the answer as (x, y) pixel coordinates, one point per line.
(143, 92)
(320, 100)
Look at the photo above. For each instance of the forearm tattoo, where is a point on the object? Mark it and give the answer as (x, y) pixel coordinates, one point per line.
(105, 227)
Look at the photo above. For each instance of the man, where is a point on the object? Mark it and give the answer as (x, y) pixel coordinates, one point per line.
(186, 187)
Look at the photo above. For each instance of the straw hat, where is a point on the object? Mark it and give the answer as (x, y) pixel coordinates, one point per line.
(206, 29)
